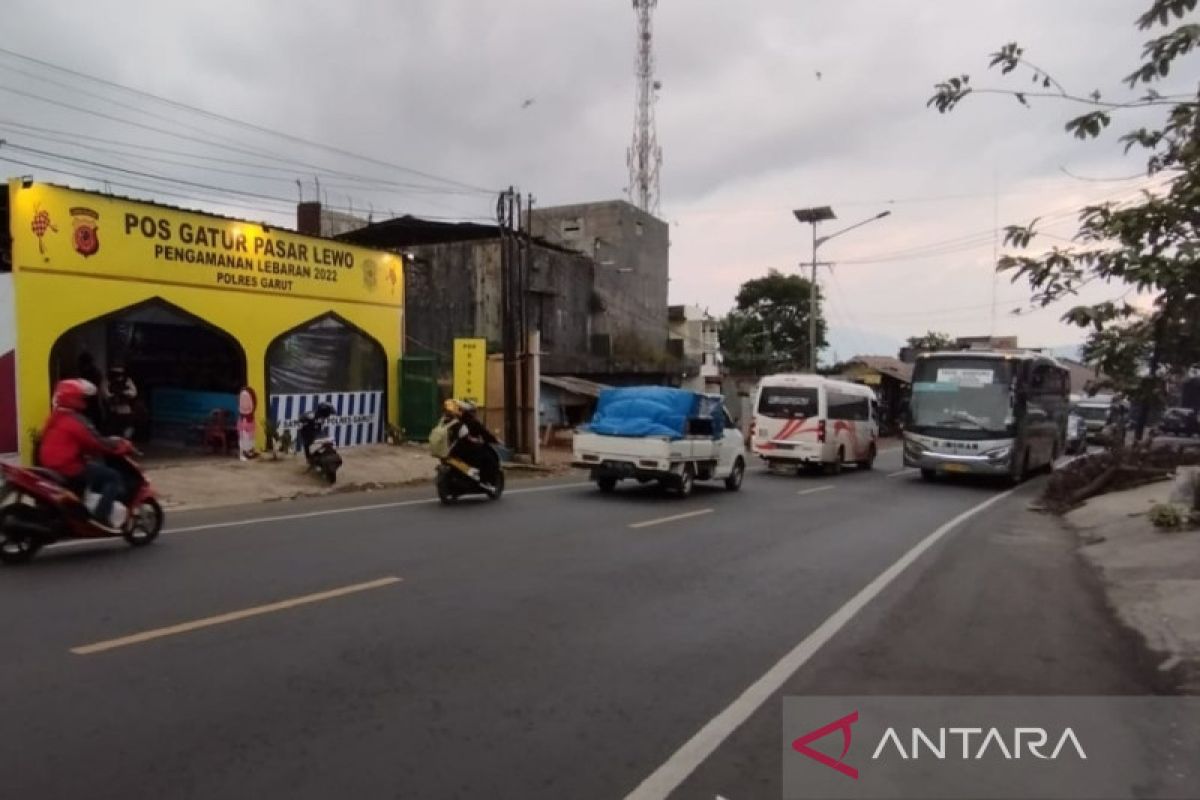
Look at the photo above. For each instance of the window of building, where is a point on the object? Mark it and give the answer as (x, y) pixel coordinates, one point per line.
(571, 228)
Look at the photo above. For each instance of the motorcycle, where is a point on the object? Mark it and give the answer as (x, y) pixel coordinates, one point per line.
(38, 507)
(319, 450)
(456, 478)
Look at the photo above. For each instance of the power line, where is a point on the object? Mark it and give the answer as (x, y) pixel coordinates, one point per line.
(286, 208)
(980, 239)
(288, 174)
(242, 123)
(152, 128)
(166, 178)
(135, 187)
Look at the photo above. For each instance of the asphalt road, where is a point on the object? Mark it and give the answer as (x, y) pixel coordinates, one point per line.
(560, 643)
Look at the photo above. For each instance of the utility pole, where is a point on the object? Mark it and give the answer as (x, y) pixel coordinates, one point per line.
(505, 208)
(813, 216)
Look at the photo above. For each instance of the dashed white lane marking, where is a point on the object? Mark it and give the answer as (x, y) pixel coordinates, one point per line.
(898, 473)
(815, 489)
(671, 518)
(232, 616)
(694, 751)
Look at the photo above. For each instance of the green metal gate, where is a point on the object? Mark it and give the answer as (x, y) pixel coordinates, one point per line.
(418, 397)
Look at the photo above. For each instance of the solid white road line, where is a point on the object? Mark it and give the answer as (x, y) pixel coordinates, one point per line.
(898, 473)
(310, 514)
(693, 753)
(671, 518)
(232, 616)
(815, 489)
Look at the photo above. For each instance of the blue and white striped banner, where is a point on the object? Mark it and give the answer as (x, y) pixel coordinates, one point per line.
(357, 416)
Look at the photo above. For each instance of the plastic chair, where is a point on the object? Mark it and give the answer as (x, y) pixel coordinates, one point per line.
(216, 431)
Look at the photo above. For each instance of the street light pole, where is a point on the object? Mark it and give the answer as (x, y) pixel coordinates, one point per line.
(812, 216)
(813, 306)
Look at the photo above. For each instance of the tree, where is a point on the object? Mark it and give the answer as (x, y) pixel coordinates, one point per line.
(768, 329)
(932, 340)
(1149, 245)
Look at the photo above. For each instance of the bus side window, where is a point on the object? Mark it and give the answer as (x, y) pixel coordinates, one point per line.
(842, 406)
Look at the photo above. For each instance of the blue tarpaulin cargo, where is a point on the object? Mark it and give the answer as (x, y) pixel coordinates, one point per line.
(653, 411)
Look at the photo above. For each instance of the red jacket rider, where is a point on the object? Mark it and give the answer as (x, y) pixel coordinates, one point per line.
(68, 439)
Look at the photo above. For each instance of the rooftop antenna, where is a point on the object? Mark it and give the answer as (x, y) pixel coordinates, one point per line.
(300, 189)
(644, 155)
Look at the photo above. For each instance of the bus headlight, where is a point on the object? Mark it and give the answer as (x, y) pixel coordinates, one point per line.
(999, 454)
(913, 448)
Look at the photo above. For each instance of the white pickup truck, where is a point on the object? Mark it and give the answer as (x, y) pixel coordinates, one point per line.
(676, 463)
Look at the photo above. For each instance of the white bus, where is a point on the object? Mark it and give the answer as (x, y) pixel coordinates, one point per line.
(810, 421)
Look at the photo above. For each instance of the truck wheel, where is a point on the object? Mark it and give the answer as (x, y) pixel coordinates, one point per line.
(606, 484)
(734, 481)
(928, 475)
(686, 481)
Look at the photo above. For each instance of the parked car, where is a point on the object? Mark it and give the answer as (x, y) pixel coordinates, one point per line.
(1180, 422)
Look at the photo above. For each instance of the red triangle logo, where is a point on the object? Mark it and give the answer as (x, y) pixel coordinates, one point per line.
(801, 745)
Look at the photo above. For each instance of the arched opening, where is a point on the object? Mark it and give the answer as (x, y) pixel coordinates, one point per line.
(329, 359)
(182, 367)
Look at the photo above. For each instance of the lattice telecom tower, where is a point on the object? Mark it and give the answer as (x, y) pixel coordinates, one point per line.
(645, 156)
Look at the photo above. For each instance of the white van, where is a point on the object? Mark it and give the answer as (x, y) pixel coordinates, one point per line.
(807, 420)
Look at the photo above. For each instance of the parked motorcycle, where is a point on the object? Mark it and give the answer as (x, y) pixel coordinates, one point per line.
(319, 450)
(456, 478)
(38, 507)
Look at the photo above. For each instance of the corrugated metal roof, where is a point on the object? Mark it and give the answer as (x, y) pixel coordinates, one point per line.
(886, 365)
(569, 383)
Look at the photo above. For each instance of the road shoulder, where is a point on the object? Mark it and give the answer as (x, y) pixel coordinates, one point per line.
(1151, 578)
(1004, 606)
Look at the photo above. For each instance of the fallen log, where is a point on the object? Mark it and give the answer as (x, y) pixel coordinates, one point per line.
(1095, 487)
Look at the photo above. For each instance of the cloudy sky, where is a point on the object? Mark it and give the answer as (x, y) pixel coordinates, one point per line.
(767, 105)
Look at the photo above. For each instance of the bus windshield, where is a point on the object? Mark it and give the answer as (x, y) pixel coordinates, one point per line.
(788, 402)
(962, 394)
(1094, 413)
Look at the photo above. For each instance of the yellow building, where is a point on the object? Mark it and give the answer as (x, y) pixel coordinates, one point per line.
(197, 307)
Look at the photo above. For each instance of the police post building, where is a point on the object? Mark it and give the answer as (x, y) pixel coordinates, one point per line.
(196, 307)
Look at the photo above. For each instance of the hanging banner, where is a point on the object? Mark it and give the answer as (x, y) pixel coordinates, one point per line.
(470, 370)
(84, 234)
(355, 420)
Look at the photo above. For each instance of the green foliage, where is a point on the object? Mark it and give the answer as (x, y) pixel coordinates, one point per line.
(931, 341)
(1149, 245)
(768, 329)
(1166, 516)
